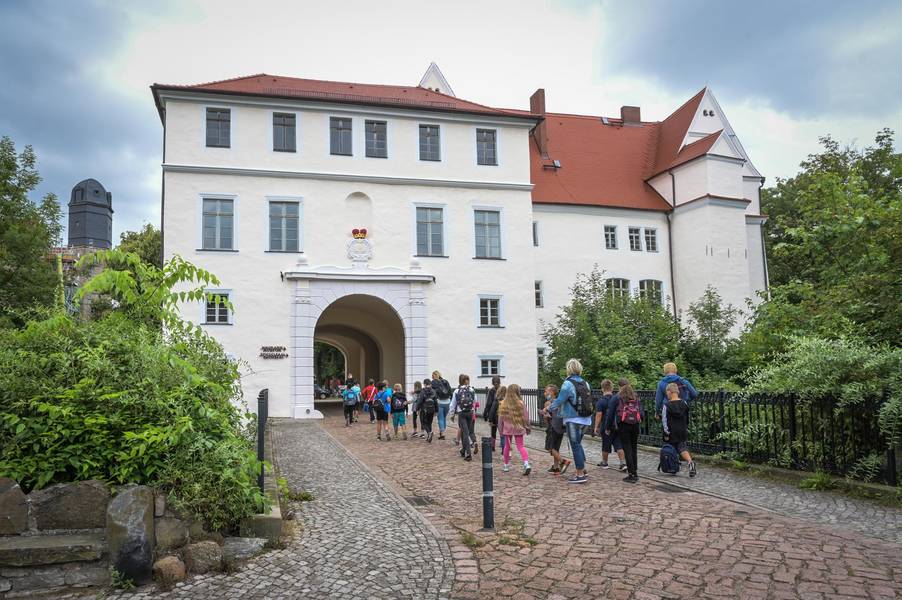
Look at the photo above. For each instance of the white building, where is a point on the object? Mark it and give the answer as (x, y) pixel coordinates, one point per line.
(394, 222)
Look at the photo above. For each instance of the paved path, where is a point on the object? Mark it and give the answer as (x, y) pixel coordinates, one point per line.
(359, 538)
(826, 508)
(608, 539)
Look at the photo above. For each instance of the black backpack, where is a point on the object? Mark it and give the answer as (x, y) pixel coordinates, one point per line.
(445, 388)
(465, 399)
(584, 405)
(398, 402)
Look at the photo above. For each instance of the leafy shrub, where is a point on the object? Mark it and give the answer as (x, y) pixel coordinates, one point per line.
(869, 468)
(820, 481)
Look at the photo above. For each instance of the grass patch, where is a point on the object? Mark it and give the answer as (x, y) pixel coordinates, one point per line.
(471, 541)
(820, 481)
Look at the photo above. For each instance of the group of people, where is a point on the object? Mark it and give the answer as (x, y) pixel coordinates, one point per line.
(570, 411)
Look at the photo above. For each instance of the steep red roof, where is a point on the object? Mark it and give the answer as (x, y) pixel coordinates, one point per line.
(337, 91)
(602, 165)
(692, 151)
(673, 131)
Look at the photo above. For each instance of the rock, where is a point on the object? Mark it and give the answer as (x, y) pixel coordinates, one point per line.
(170, 533)
(5, 584)
(37, 580)
(238, 548)
(168, 571)
(197, 533)
(130, 533)
(31, 550)
(202, 557)
(80, 505)
(83, 576)
(13, 514)
(159, 504)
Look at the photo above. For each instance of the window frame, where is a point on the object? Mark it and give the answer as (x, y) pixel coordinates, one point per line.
(283, 113)
(487, 164)
(643, 293)
(613, 233)
(299, 200)
(499, 300)
(332, 151)
(416, 246)
(623, 291)
(501, 240)
(654, 236)
(366, 139)
(629, 234)
(535, 234)
(205, 117)
(236, 221)
(419, 130)
(498, 358)
(229, 295)
(540, 294)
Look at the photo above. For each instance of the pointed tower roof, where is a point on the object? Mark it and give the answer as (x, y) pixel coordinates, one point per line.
(433, 79)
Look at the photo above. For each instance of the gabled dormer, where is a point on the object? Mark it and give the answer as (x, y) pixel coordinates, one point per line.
(434, 80)
(710, 117)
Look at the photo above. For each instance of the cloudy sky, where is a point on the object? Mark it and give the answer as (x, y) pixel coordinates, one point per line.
(75, 74)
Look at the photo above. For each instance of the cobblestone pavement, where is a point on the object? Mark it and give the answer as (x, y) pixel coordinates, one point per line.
(826, 508)
(608, 539)
(359, 539)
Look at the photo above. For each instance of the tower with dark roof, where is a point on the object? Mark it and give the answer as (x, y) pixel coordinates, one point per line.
(90, 215)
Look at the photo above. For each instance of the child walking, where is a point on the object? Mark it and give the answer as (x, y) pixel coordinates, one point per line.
(675, 419)
(463, 407)
(427, 405)
(350, 398)
(554, 432)
(513, 424)
(399, 410)
(382, 407)
(415, 408)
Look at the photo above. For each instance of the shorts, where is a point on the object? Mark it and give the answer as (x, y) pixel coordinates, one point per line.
(382, 416)
(553, 439)
(398, 419)
(609, 441)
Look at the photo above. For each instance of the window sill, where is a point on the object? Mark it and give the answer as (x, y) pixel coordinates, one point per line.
(214, 250)
(431, 256)
(372, 156)
(217, 146)
(288, 151)
(488, 376)
(340, 154)
(488, 258)
(218, 324)
(635, 249)
(284, 251)
(430, 159)
(487, 164)
(490, 326)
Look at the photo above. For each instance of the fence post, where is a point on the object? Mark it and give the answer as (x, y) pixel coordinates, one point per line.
(262, 416)
(488, 493)
(721, 420)
(793, 453)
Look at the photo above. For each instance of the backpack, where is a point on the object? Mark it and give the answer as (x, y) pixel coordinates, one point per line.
(465, 399)
(379, 405)
(444, 389)
(630, 412)
(584, 405)
(350, 397)
(398, 402)
(669, 460)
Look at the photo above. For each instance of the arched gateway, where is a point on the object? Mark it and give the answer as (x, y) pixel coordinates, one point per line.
(382, 312)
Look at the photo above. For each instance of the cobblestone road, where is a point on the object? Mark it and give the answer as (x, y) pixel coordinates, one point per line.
(608, 539)
(359, 538)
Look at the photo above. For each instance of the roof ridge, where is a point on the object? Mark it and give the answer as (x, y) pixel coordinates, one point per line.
(240, 77)
(687, 102)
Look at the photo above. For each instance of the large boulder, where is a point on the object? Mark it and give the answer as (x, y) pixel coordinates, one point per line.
(80, 505)
(168, 571)
(13, 514)
(130, 532)
(202, 557)
(239, 548)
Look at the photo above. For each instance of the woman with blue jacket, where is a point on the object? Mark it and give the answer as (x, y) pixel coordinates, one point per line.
(575, 424)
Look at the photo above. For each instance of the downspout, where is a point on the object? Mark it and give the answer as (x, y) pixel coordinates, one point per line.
(763, 246)
(163, 196)
(670, 239)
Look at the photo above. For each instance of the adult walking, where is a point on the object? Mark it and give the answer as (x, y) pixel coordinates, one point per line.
(443, 393)
(576, 408)
(490, 412)
(688, 392)
(624, 417)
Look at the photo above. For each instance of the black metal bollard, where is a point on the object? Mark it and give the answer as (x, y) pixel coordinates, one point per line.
(262, 416)
(488, 490)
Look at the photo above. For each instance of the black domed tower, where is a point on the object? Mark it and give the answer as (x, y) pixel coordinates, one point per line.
(90, 215)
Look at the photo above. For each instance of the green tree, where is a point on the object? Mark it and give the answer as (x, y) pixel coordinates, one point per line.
(707, 344)
(613, 337)
(146, 243)
(28, 231)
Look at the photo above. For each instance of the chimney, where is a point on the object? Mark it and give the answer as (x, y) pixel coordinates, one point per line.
(540, 133)
(630, 115)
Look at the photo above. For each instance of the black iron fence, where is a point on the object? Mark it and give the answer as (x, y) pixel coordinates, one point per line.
(777, 429)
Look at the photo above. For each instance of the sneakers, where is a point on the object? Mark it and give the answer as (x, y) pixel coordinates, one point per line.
(604, 465)
(505, 467)
(379, 437)
(468, 457)
(441, 435)
(526, 468)
(622, 468)
(564, 465)
(631, 479)
(692, 470)
(429, 438)
(578, 479)
(461, 452)
(553, 469)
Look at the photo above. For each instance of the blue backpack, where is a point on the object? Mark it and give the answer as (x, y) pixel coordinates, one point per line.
(669, 460)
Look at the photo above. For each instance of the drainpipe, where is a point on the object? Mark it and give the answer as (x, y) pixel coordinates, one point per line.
(670, 240)
(763, 246)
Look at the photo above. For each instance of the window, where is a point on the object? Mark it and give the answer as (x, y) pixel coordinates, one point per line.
(218, 219)
(284, 138)
(489, 367)
(618, 288)
(219, 127)
(610, 237)
(340, 136)
(486, 147)
(488, 233)
(540, 359)
(539, 300)
(376, 139)
(535, 233)
(429, 143)
(430, 236)
(284, 219)
(489, 312)
(217, 309)
(635, 239)
(650, 289)
(651, 240)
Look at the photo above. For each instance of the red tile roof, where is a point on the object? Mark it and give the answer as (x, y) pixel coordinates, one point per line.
(275, 86)
(673, 130)
(692, 151)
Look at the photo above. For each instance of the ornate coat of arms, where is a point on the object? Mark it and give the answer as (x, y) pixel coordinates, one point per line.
(359, 248)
